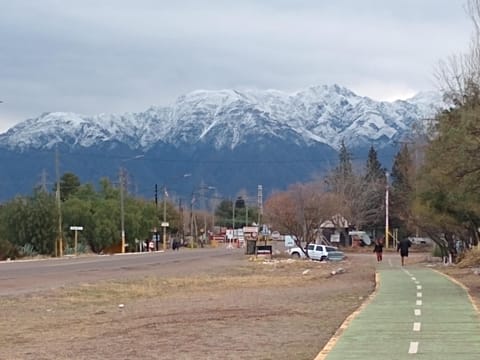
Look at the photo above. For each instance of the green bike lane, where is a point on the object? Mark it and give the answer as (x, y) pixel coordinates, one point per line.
(415, 313)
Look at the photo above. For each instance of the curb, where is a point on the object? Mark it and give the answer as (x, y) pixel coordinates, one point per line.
(322, 355)
(464, 287)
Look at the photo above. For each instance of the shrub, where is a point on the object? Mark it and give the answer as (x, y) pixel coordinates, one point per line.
(27, 250)
(7, 250)
(471, 258)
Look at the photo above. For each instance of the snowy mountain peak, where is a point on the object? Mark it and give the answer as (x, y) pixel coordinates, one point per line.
(227, 118)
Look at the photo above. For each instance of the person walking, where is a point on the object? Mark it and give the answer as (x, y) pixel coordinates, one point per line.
(378, 249)
(403, 247)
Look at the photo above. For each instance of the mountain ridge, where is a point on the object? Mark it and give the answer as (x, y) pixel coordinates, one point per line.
(229, 139)
(224, 117)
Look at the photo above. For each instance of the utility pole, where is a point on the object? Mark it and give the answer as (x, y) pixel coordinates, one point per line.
(260, 204)
(386, 210)
(164, 223)
(233, 215)
(122, 179)
(122, 210)
(182, 225)
(203, 189)
(191, 220)
(59, 243)
(214, 205)
(155, 228)
(44, 181)
(246, 210)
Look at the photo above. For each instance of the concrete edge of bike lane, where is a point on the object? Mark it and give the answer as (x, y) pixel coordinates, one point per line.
(463, 286)
(322, 355)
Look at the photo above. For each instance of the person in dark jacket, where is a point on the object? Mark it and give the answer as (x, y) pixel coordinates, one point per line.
(403, 247)
(378, 249)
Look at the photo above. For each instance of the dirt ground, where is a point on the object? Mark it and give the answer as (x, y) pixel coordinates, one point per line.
(280, 309)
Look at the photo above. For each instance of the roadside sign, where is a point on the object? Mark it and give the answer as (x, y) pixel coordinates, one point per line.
(265, 230)
(76, 229)
(335, 238)
(289, 241)
(250, 229)
(165, 224)
(276, 235)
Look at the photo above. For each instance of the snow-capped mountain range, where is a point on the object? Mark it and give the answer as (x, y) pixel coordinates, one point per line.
(228, 118)
(229, 139)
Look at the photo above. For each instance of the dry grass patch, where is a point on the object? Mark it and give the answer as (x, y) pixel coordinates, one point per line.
(258, 274)
(470, 258)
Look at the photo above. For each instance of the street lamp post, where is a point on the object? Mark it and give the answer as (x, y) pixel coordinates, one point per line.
(165, 223)
(203, 189)
(201, 192)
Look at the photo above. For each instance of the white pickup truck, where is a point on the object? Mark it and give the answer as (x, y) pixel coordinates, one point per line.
(318, 252)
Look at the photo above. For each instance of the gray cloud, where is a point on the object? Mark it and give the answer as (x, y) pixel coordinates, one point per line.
(116, 56)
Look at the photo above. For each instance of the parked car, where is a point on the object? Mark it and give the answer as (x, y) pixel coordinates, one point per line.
(318, 252)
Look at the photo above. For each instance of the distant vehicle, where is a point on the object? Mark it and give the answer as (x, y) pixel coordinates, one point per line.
(421, 240)
(318, 252)
(362, 235)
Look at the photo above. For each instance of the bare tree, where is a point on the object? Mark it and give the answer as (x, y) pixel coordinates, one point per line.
(459, 74)
(300, 210)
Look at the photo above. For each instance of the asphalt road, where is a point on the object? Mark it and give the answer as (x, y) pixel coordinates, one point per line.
(19, 277)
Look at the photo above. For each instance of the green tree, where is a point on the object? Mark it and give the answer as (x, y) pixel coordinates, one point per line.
(374, 171)
(107, 190)
(348, 191)
(106, 225)
(447, 205)
(374, 183)
(401, 192)
(78, 212)
(341, 180)
(344, 170)
(449, 194)
(69, 184)
(30, 221)
(224, 213)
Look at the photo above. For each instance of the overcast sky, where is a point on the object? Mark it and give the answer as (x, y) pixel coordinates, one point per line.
(94, 56)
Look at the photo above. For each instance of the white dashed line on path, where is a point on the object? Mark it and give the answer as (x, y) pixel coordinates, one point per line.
(413, 347)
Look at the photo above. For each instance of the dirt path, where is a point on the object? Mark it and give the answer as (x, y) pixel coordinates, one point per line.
(251, 310)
